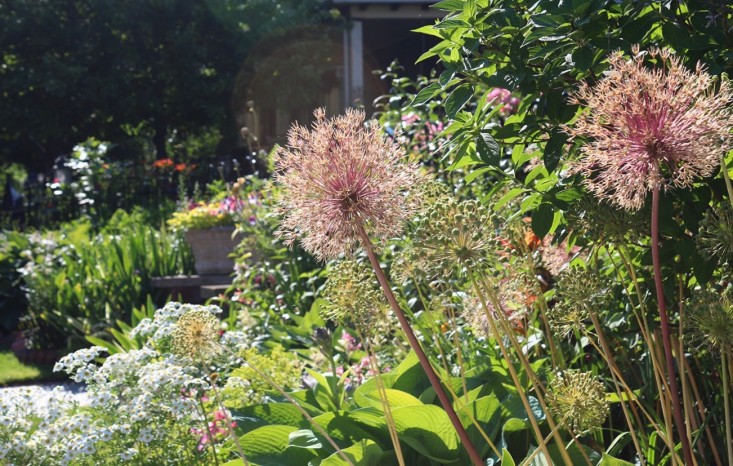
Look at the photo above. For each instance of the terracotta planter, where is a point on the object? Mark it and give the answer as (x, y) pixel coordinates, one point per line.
(211, 249)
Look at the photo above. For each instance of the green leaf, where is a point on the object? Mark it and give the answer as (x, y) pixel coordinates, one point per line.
(369, 398)
(430, 30)
(457, 99)
(364, 453)
(111, 348)
(449, 5)
(252, 417)
(426, 93)
(488, 149)
(487, 411)
(304, 438)
(428, 430)
(269, 446)
(611, 461)
(476, 173)
(553, 149)
(341, 426)
(542, 219)
(506, 458)
(409, 375)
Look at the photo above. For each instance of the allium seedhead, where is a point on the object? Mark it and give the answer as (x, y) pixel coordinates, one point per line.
(603, 221)
(711, 317)
(649, 128)
(407, 264)
(579, 292)
(716, 234)
(577, 399)
(196, 334)
(353, 296)
(455, 235)
(337, 176)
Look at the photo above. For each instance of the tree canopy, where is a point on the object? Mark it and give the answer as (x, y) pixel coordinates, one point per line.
(75, 69)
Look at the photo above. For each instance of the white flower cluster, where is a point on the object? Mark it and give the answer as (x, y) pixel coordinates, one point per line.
(143, 403)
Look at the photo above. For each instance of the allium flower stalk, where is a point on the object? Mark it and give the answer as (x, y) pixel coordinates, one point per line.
(343, 183)
(340, 175)
(650, 128)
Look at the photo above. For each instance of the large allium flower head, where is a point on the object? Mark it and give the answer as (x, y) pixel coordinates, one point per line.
(650, 127)
(353, 296)
(716, 234)
(711, 317)
(578, 400)
(196, 334)
(338, 175)
(455, 236)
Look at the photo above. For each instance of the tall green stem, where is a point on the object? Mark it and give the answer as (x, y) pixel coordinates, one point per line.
(415, 344)
(666, 340)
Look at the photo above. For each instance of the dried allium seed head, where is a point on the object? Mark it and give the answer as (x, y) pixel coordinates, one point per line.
(196, 334)
(455, 236)
(711, 317)
(577, 399)
(353, 296)
(337, 176)
(648, 128)
(716, 234)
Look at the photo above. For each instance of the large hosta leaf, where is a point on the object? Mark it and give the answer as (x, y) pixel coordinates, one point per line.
(428, 430)
(364, 453)
(270, 446)
(252, 417)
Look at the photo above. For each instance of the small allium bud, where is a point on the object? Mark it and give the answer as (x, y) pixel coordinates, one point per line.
(578, 400)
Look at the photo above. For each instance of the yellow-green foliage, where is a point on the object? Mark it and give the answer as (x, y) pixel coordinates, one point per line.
(246, 387)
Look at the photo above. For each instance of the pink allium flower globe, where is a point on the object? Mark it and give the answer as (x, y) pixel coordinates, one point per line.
(647, 128)
(338, 177)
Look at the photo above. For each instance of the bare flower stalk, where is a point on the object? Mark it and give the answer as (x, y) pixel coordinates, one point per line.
(666, 339)
(391, 427)
(726, 400)
(415, 345)
(512, 371)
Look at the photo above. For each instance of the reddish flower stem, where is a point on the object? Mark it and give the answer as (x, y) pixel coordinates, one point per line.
(415, 344)
(666, 341)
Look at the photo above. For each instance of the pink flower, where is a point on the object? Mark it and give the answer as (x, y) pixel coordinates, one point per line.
(339, 177)
(647, 128)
